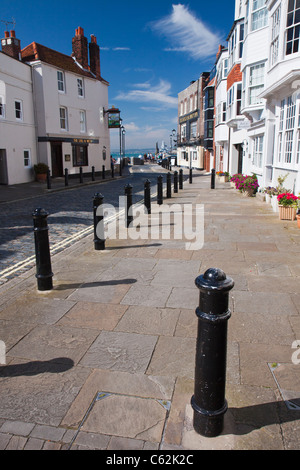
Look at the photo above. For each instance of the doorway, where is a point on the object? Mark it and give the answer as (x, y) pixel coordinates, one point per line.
(3, 167)
(56, 159)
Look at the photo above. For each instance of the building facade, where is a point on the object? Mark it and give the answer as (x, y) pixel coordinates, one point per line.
(18, 147)
(69, 100)
(255, 88)
(190, 138)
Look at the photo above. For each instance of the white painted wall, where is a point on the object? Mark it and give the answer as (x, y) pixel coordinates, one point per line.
(17, 135)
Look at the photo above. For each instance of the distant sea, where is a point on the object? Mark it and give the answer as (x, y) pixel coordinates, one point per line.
(132, 152)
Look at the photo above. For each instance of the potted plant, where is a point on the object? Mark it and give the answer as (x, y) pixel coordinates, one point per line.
(40, 170)
(248, 185)
(287, 203)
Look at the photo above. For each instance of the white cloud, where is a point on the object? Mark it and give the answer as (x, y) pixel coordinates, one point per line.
(156, 94)
(187, 33)
(121, 49)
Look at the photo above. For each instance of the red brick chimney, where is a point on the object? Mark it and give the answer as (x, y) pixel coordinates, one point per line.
(80, 48)
(94, 56)
(11, 45)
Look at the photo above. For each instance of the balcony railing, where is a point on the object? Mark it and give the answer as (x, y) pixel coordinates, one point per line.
(189, 141)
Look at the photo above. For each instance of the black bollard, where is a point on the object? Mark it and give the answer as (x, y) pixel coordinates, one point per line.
(208, 401)
(93, 173)
(103, 172)
(159, 190)
(147, 196)
(120, 166)
(99, 239)
(169, 190)
(175, 181)
(80, 175)
(181, 178)
(48, 179)
(213, 178)
(66, 177)
(112, 170)
(128, 207)
(191, 175)
(42, 250)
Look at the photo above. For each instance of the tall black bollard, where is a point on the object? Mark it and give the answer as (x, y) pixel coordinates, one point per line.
(42, 250)
(103, 172)
(147, 196)
(128, 207)
(191, 176)
(213, 178)
(112, 170)
(80, 175)
(181, 178)
(66, 177)
(175, 181)
(208, 401)
(169, 189)
(159, 190)
(93, 173)
(48, 179)
(99, 238)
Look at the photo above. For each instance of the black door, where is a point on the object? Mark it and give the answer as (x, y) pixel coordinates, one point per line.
(56, 159)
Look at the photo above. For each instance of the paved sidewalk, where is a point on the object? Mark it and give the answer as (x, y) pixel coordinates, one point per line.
(106, 359)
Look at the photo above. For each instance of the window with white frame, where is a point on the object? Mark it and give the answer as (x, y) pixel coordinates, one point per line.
(298, 139)
(288, 151)
(82, 121)
(193, 129)
(2, 108)
(60, 81)
(280, 134)
(191, 103)
(256, 83)
(258, 146)
(275, 35)
(259, 17)
(27, 158)
(293, 27)
(183, 132)
(221, 113)
(241, 41)
(80, 88)
(230, 101)
(19, 110)
(289, 129)
(63, 114)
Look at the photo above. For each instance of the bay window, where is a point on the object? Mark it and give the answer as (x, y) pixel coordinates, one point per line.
(259, 17)
(293, 27)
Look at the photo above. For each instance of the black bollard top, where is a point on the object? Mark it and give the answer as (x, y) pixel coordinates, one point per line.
(214, 279)
(98, 196)
(40, 213)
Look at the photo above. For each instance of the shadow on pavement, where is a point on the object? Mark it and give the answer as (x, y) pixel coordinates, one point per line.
(53, 366)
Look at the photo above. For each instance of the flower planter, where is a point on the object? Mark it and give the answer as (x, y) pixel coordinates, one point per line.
(298, 221)
(274, 204)
(247, 192)
(41, 177)
(223, 179)
(268, 199)
(287, 213)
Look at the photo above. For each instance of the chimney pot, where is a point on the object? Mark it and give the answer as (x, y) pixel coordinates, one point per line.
(6, 34)
(12, 34)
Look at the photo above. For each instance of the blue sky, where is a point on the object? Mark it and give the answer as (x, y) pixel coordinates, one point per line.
(150, 51)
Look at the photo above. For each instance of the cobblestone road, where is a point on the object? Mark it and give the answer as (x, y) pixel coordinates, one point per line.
(70, 214)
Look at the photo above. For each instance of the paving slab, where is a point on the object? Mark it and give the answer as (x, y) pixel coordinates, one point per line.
(106, 359)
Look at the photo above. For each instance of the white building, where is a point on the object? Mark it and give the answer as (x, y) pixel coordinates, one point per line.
(17, 123)
(70, 98)
(282, 95)
(52, 109)
(262, 82)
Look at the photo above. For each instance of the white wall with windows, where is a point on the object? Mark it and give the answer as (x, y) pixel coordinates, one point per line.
(68, 109)
(17, 122)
